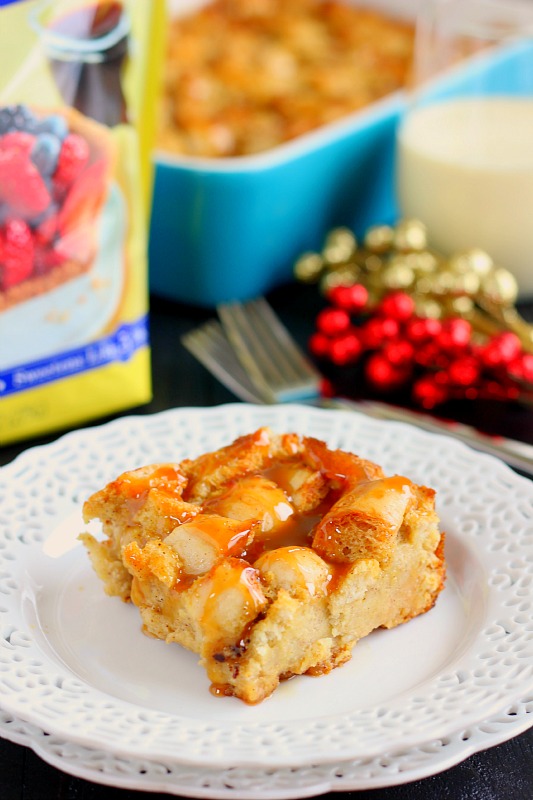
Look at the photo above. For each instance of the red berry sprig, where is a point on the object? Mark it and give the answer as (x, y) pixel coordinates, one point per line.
(396, 349)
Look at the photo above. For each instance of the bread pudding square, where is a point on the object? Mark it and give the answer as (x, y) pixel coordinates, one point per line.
(270, 557)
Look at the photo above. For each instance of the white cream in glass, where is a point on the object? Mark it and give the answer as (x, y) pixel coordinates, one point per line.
(465, 145)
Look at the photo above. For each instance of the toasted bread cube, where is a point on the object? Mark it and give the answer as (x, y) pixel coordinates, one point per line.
(365, 521)
(298, 570)
(201, 542)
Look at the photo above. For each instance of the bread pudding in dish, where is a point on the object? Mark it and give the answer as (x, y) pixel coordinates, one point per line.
(244, 76)
(270, 557)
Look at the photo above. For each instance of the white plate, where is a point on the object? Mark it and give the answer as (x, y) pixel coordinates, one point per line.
(255, 783)
(73, 661)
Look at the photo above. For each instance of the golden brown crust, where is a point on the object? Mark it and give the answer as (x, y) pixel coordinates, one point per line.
(262, 587)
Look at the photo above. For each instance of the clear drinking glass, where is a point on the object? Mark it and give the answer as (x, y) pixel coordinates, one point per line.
(465, 145)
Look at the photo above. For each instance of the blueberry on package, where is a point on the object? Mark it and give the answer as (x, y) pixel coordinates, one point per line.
(75, 120)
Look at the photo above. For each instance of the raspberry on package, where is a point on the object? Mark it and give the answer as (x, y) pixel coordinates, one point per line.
(82, 200)
(17, 253)
(73, 158)
(22, 188)
(46, 229)
(17, 140)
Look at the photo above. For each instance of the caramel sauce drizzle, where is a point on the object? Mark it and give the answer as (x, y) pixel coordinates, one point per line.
(296, 531)
(232, 540)
(221, 690)
(167, 479)
(183, 581)
(228, 535)
(395, 483)
(234, 572)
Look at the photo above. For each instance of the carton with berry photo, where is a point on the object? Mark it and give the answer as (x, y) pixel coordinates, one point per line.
(73, 208)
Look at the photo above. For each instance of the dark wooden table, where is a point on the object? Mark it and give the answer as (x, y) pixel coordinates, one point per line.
(504, 772)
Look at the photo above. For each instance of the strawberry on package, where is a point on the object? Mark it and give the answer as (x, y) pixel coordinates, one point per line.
(74, 186)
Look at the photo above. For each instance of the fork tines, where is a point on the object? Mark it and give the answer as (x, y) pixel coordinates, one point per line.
(209, 345)
(267, 352)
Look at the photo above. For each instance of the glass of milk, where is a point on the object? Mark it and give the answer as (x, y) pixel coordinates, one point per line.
(465, 145)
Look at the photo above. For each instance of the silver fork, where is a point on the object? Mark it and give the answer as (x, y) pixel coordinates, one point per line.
(276, 366)
(209, 344)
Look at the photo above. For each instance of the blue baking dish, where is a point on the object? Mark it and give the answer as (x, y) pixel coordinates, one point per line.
(231, 228)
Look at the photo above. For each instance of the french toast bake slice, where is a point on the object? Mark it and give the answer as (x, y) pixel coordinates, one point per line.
(270, 557)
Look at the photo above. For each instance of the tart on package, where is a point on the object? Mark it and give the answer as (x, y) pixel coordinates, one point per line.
(55, 170)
